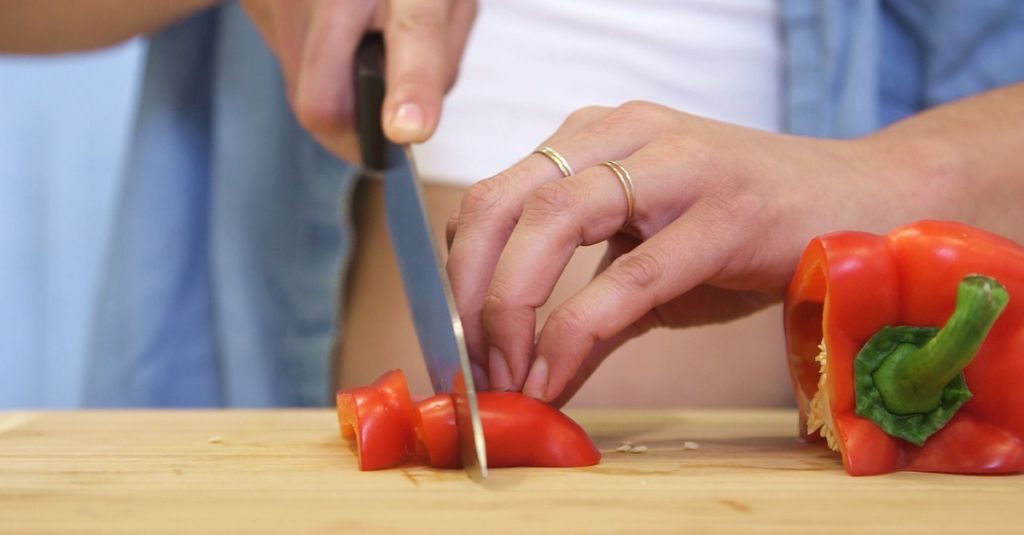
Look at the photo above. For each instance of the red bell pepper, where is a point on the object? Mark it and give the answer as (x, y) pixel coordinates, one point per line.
(520, 431)
(877, 376)
(381, 419)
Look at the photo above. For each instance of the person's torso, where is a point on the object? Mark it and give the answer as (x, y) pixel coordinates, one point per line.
(530, 63)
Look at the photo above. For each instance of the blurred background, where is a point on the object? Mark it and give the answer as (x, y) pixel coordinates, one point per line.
(65, 123)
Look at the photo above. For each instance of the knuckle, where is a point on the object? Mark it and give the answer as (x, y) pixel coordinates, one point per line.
(584, 116)
(420, 18)
(568, 318)
(483, 197)
(636, 107)
(626, 117)
(551, 201)
(639, 110)
(496, 302)
(635, 271)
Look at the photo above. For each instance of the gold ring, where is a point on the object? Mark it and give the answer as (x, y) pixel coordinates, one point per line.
(627, 187)
(558, 159)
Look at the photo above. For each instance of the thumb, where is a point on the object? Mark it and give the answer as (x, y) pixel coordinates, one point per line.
(418, 69)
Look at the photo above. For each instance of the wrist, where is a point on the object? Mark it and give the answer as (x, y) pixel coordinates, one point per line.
(927, 174)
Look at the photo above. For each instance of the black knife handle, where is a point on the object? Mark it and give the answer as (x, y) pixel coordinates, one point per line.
(369, 88)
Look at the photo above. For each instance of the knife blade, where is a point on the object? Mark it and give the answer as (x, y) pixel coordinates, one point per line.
(427, 288)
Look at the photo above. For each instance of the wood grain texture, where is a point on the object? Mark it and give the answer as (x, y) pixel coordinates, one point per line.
(288, 471)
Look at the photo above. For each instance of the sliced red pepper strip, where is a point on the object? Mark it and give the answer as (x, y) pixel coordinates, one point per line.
(437, 432)
(520, 431)
(851, 285)
(380, 418)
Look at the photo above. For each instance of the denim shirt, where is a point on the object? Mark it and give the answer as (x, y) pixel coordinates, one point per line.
(854, 66)
(221, 281)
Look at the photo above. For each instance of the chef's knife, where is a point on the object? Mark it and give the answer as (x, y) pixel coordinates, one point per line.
(427, 288)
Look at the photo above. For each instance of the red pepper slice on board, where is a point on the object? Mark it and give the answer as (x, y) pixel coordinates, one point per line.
(380, 418)
(907, 350)
(520, 430)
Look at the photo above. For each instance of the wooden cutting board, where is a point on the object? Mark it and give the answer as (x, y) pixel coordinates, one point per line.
(288, 471)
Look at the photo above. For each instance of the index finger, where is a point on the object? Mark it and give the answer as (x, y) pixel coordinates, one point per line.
(486, 217)
(687, 252)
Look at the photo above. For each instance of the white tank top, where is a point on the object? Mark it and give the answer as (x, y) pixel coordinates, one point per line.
(529, 63)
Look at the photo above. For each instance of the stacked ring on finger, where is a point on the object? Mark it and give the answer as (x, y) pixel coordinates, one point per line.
(627, 186)
(557, 158)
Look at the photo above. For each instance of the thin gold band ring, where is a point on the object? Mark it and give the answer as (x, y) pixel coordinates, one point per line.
(627, 187)
(558, 159)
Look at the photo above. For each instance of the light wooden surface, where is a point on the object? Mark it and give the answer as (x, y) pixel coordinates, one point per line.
(288, 471)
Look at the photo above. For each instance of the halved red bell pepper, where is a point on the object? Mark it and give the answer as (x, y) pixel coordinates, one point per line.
(519, 430)
(907, 350)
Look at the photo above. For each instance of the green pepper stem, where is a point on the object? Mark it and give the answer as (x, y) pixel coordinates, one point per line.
(911, 380)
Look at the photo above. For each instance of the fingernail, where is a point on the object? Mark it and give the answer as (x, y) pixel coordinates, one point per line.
(408, 119)
(501, 375)
(537, 380)
(479, 377)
